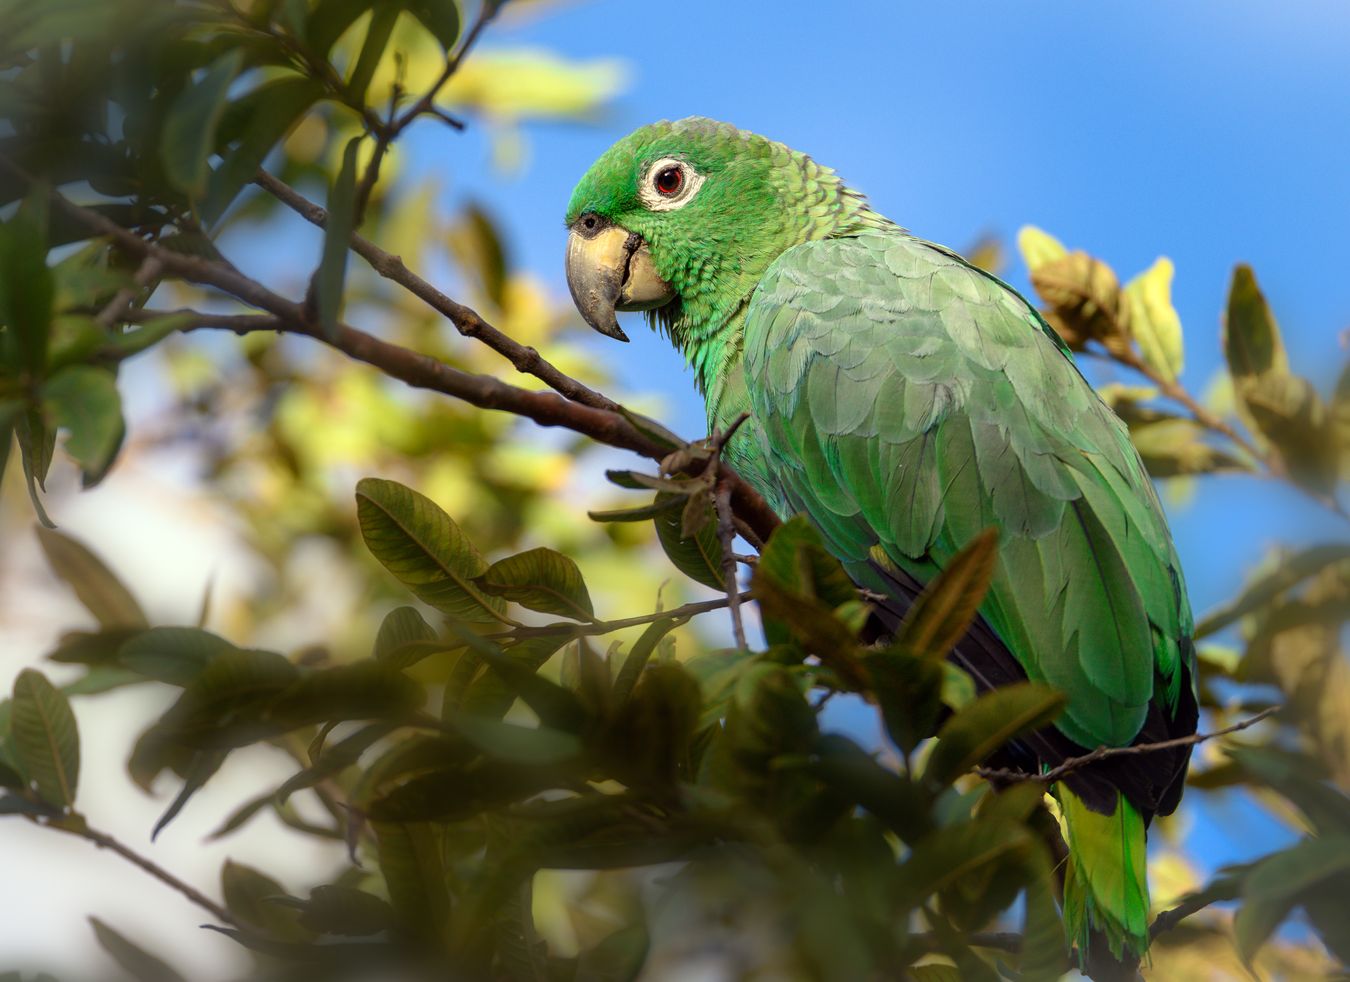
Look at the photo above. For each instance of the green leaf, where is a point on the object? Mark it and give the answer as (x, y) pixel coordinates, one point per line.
(698, 557)
(796, 558)
(1154, 322)
(1266, 588)
(977, 730)
(488, 694)
(37, 442)
(343, 910)
(336, 759)
(26, 290)
(176, 655)
(83, 400)
(895, 800)
(189, 135)
(270, 110)
(556, 707)
(132, 958)
(944, 610)
(383, 17)
(331, 277)
(420, 544)
(412, 863)
(204, 765)
(1038, 248)
(638, 657)
(224, 703)
(439, 17)
(101, 592)
(1251, 338)
(330, 19)
(46, 739)
(909, 689)
(518, 744)
(541, 580)
(1274, 885)
(402, 626)
(249, 894)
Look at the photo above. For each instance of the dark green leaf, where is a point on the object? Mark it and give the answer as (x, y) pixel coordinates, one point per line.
(977, 730)
(331, 277)
(424, 548)
(700, 556)
(330, 19)
(176, 655)
(400, 627)
(336, 909)
(37, 441)
(132, 958)
(337, 758)
(440, 17)
(642, 652)
(488, 694)
(133, 342)
(271, 110)
(45, 737)
(204, 765)
(541, 580)
(517, 744)
(249, 896)
(101, 592)
(897, 801)
(83, 400)
(25, 296)
(413, 865)
(189, 134)
(909, 688)
(382, 19)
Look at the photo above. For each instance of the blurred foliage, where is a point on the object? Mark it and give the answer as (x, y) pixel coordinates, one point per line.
(539, 768)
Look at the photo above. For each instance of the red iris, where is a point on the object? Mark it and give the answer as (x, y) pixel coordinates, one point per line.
(669, 181)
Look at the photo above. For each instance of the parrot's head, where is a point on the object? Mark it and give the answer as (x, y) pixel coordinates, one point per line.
(682, 219)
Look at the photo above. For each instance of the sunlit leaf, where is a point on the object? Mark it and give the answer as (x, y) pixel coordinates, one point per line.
(1038, 248)
(401, 627)
(424, 548)
(942, 613)
(1154, 322)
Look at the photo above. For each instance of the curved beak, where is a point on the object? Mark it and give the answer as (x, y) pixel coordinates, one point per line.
(609, 269)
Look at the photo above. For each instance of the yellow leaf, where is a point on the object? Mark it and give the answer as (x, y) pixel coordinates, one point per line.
(1038, 248)
(1153, 319)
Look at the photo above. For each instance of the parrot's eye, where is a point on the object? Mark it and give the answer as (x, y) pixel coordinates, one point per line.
(670, 183)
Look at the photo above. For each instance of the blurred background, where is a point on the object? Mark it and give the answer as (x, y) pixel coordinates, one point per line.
(1208, 133)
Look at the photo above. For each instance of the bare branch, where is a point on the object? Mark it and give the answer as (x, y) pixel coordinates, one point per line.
(527, 360)
(1101, 753)
(76, 825)
(117, 308)
(609, 627)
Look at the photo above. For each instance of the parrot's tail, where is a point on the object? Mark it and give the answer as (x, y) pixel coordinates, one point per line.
(1106, 886)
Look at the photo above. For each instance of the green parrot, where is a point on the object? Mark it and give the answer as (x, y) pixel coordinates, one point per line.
(905, 400)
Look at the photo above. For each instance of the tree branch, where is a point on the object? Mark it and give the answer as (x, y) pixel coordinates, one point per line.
(1101, 753)
(467, 321)
(75, 825)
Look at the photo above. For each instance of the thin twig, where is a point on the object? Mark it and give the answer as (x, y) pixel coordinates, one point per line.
(467, 321)
(592, 629)
(1101, 753)
(1170, 918)
(426, 104)
(117, 308)
(105, 841)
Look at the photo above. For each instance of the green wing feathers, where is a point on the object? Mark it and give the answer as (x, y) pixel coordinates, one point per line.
(907, 401)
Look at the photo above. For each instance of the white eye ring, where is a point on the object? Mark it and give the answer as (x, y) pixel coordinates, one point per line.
(657, 190)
